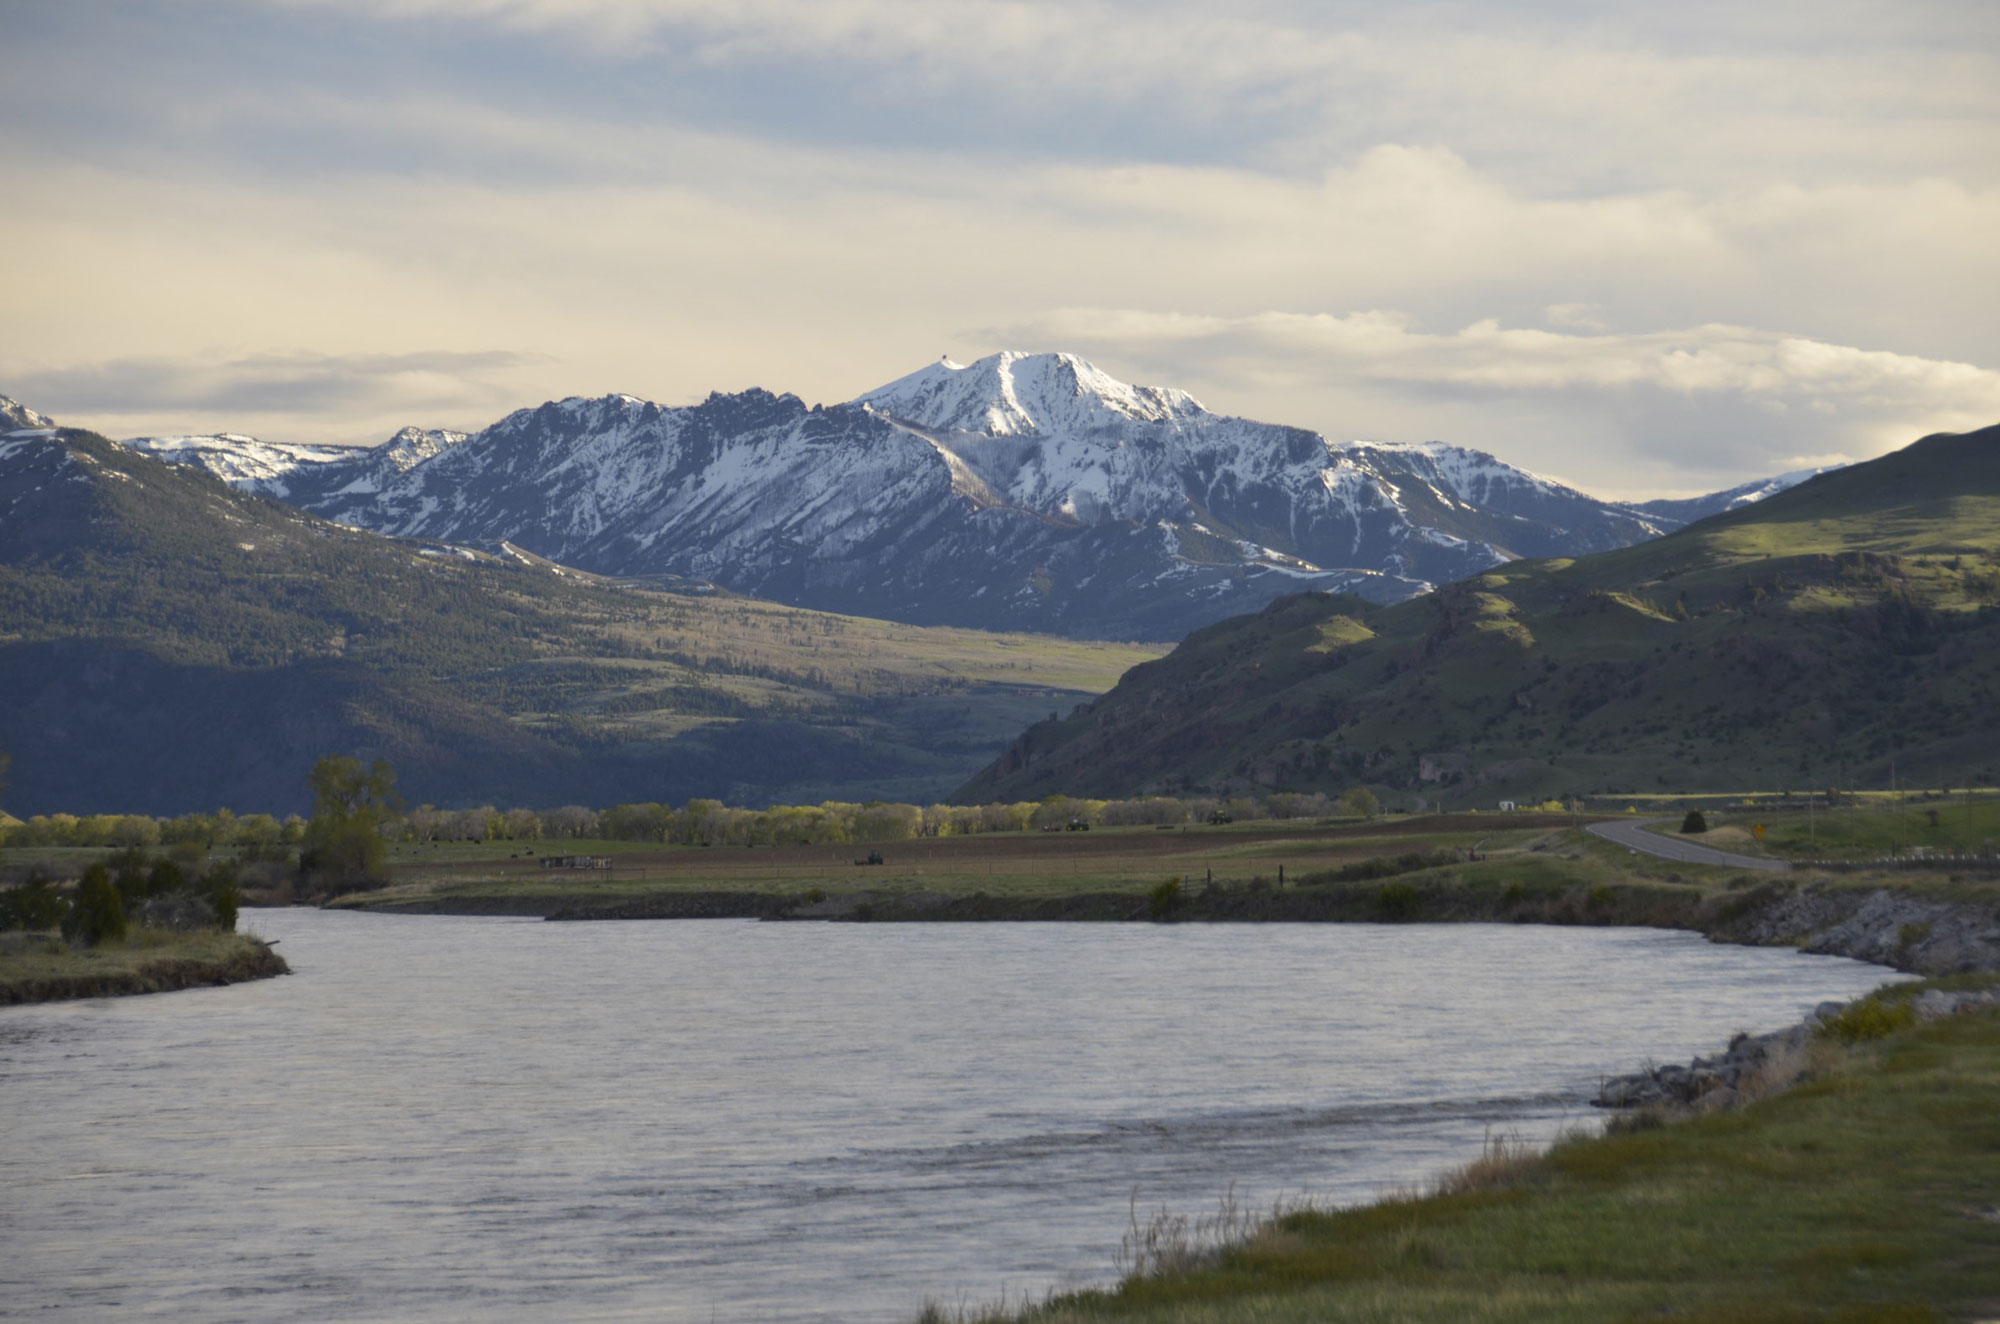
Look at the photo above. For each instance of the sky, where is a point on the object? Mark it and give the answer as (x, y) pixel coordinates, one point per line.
(1648, 249)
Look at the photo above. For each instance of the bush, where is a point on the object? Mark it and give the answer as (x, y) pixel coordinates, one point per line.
(1694, 822)
(1870, 1018)
(1399, 902)
(98, 916)
(224, 893)
(1164, 899)
(35, 905)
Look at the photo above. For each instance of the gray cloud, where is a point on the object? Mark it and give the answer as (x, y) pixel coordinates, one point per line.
(265, 385)
(673, 196)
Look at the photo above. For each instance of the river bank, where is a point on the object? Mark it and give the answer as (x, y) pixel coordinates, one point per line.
(35, 968)
(1911, 927)
(1862, 1191)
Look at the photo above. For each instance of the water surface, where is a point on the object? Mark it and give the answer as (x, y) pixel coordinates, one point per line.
(441, 1118)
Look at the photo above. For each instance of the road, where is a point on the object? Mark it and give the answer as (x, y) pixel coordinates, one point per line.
(1634, 835)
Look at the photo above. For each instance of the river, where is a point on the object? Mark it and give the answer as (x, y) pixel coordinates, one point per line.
(441, 1118)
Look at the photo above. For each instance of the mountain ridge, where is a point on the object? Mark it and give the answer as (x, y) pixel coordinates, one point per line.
(1825, 635)
(168, 643)
(1028, 491)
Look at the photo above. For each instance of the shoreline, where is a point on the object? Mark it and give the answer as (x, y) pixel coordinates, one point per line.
(1908, 932)
(155, 970)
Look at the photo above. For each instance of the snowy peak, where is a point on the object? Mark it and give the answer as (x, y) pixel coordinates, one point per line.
(412, 446)
(249, 463)
(1686, 510)
(1011, 395)
(17, 417)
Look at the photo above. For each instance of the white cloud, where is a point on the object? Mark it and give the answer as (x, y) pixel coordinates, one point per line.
(1687, 409)
(673, 196)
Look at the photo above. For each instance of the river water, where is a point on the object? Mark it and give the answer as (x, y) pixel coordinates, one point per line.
(441, 1118)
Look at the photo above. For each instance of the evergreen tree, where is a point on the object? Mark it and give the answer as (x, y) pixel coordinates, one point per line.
(98, 915)
(224, 893)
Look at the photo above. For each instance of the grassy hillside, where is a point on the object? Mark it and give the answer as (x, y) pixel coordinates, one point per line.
(1840, 633)
(172, 644)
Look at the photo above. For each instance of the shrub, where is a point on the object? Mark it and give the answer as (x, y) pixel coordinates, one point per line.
(34, 905)
(1399, 902)
(224, 893)
(1694, 822)
(98, 915)
(1870, 1018)
(1164, 899)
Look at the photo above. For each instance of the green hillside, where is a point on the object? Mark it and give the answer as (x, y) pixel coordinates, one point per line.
(168, 644)
(1846, 631)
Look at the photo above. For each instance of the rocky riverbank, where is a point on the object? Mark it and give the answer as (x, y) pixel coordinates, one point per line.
(1936, 929)
(1756, 1065)
(1888, 926)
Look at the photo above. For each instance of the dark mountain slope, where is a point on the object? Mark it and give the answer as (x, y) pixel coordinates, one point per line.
(167, 643)
(1831, 632)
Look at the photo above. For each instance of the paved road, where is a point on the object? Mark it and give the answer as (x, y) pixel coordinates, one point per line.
(1634, 835)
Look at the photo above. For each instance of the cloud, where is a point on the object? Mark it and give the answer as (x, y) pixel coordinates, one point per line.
(267, 385)
(1685, 408)
(672, 196)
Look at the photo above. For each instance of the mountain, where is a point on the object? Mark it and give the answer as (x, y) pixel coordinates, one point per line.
(17, 417)
(1687, 510)
(168, 643)
(298, 473)
(1020, 491)
(1845, 631)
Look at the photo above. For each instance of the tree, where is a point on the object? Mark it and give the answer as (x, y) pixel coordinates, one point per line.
(343, 848)
(35, 905)
(1361, 802)
(1694, 822)
(224, 893)
(98, 916)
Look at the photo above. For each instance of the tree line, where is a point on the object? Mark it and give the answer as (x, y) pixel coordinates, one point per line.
(698, 822)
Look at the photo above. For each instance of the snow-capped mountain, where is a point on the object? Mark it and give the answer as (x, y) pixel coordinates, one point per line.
(1687, 510)
(296, 472)
(1021, 491)
(17, 417)
(249, 463)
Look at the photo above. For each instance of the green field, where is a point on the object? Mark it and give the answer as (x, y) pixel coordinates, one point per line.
(1865, 1194)
(1862, 826)
(999, 864)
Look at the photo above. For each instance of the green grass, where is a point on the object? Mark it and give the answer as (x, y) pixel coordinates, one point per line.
(1001, 864)
(1939, 823)
(1868, 1193)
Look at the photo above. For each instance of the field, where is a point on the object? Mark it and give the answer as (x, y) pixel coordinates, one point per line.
(1863, 826)
(1001, 863)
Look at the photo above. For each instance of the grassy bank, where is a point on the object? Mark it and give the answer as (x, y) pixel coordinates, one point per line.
(1518, 868)
(42, 968)
(1866, 1193)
